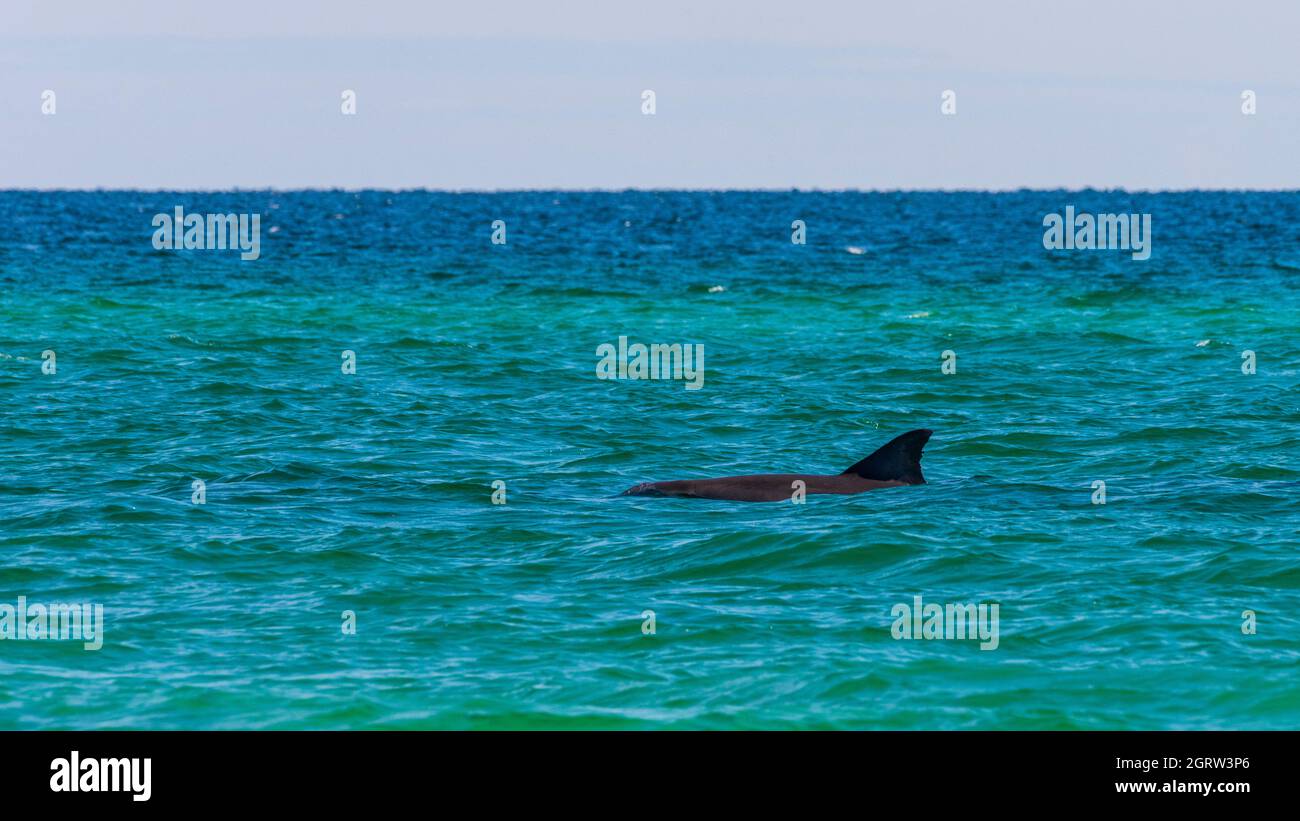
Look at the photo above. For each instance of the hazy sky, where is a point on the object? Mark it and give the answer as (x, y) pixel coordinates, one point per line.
(749, 94)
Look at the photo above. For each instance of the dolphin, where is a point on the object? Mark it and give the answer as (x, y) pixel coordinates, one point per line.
(896, 463)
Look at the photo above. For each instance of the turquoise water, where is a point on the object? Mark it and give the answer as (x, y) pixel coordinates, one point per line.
(372, 492)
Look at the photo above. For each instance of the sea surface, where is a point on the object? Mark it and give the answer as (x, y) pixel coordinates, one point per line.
(372, 492)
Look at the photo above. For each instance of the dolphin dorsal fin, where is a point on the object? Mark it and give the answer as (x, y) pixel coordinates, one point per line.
(899, 460)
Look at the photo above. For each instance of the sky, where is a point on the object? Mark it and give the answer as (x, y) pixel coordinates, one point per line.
(511, 94)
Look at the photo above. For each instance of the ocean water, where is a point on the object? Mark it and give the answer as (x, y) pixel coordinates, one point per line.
(371, 492)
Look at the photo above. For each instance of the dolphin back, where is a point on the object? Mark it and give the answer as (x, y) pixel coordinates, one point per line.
(897, 461)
